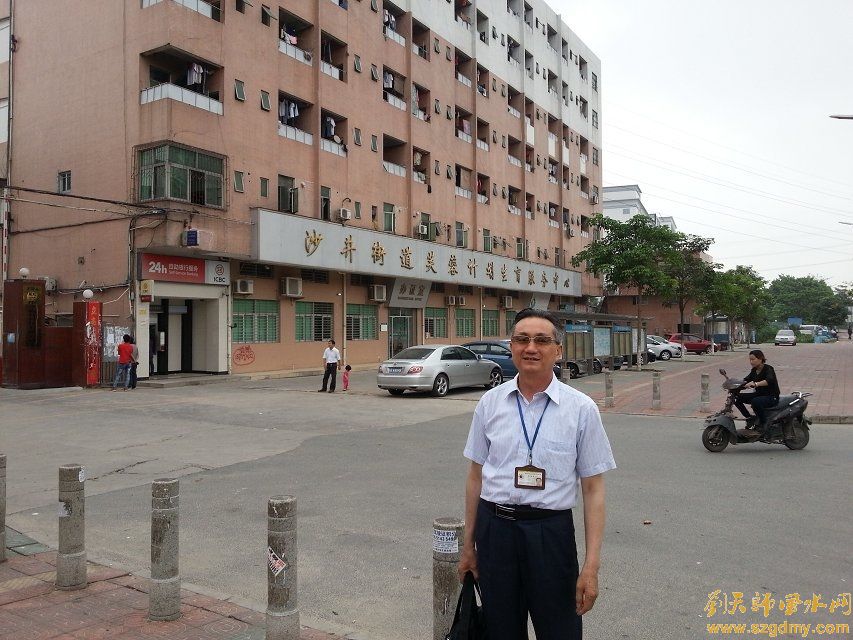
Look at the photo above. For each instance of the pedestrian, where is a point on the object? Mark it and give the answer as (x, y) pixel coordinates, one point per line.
(133, 365)
(125, 358)
(331, 364)
(531, 440)
(850, 331)
(345, 377)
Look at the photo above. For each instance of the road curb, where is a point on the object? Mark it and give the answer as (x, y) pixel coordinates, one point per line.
(830, 419)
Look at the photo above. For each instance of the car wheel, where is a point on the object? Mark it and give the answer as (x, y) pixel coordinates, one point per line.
(665, 355)
(395, 392)
(775, 344)
(596, 366)
(496, 379)
(441, 386)
(574, 372)
(707, 349)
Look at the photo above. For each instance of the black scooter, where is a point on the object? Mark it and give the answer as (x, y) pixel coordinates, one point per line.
(786, 421)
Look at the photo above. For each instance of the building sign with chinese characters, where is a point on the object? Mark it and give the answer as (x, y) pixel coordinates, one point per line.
(310, 243)
(410, 294)
(183, 269)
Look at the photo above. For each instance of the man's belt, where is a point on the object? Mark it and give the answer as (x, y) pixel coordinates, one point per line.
(521, 511)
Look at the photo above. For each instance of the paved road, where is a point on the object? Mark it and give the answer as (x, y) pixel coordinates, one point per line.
(371, 472)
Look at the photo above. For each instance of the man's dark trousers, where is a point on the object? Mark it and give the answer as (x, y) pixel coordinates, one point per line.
(331, 372)
(528, 566)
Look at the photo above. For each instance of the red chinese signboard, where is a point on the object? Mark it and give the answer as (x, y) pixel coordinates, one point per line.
(171, 268)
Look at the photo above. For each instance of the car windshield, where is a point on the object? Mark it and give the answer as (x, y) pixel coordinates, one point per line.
(785, 332)
(414, 353)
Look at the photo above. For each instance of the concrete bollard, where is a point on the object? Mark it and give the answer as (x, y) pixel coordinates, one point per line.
(656, 390)
(282, 605)
(608, 389)
(2, 507)
(447, 540)
(71, 558)
(705, 395)
(164, 594)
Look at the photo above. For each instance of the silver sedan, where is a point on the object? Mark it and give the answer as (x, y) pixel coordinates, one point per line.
(437, 368)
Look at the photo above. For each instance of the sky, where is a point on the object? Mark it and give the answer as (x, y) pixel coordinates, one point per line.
(720, 112)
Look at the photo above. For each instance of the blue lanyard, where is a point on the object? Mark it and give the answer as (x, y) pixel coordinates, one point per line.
(524, 427)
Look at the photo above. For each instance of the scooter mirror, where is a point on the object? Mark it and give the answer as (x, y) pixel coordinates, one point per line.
(723, 371)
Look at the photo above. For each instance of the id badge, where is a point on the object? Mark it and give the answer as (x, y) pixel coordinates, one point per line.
(529, 477)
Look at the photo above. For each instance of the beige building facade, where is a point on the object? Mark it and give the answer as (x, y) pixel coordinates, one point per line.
(239, 182)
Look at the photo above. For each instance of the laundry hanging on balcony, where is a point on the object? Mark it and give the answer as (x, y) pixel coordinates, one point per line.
(328, 130)
(195, 75)
(387, 80)
(288, 111)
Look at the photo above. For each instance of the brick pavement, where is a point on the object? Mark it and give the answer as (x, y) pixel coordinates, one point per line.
(826, 370)
(114, 606)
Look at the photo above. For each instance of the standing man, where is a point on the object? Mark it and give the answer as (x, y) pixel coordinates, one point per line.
(125, 359)
(531, 440)
(331, 364)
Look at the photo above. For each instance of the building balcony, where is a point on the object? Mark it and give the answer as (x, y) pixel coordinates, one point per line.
(394, 169)
(552, 179)
(292, 133)
(584, 195)
(463, 192)
(333, 147)
(465, 137)
(331, 70)
(513, 62)
(482, 199)
(463, 79)
(513, 111)
(513, 210)
(565, 154)
(168, 91)
(390, 34)
(420, 114)
(482, 145)
(391, 99)
(419, 176)
(583, 164)
(552, 145)
(528, 214)
(531, 132)
(199, 6)
(420, 50)
(554, 223)
(528, 167)
(341, 3)
(514, 161)
(295, 52)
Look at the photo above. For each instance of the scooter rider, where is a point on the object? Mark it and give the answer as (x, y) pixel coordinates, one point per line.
(762, 379)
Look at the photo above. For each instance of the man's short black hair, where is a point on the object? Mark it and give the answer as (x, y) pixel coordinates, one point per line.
(530, 312)
(332, 340)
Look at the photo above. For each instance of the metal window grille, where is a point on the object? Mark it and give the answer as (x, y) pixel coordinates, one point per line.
(256, 321)
(314, 321)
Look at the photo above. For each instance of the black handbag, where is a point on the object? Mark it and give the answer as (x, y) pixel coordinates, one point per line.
(469, 623)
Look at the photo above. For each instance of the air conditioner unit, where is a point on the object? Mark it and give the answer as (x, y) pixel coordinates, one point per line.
(243, 287)
(460, 301)
(506, 302)
(378, 293)
(49, 283)
(423, 230)
(345, 214)
(291, 287)
(594, 198)
(450, 301)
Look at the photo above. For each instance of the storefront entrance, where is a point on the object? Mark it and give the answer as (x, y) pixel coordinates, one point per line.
(400, 323)
(170, 336)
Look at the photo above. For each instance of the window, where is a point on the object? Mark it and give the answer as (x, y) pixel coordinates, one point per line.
(241, 6)
(510, 320)
(356, 136)
(374, 143)
(313, 321)
(255, 321)
(325, 203)
(626, 212)
(357, 64)
(519, 248)
(594, 82)
(288, 195)
(240, 90)
(374, 72)
(461, 235)
(4, 40)
(318, 276)
(489, 322)
(595, 156)
(63, 181)
(266, 15)
(487, 241)
(362, 322)
(178, 173)
(464, 323)
(255, 270)
(265, 100)
(595, 118)
(389, 224)
(435, 322)
(357, 210)
(238, 181)
(265, 187)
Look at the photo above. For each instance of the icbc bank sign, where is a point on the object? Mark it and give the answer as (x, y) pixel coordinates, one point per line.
(182, 269)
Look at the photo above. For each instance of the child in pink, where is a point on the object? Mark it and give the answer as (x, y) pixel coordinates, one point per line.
(345, 377)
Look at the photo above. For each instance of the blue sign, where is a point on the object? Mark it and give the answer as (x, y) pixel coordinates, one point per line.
(621, 329)
(795, 322)
(577, 328)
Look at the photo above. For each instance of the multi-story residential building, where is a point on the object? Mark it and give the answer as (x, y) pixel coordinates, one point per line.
(237, 181)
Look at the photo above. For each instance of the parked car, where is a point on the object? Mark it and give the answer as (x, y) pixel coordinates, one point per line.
(677, 348)
(692, 343)
(785, 336)
(437, 368)
(499, 351)
(663, 350)
(809, 329)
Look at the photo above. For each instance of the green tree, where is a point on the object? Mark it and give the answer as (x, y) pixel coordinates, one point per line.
(752, 301)
(635, 254)
(809, 298)
(688, 271)
(718, 294)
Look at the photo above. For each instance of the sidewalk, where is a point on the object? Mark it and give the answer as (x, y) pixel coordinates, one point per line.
(114, 606)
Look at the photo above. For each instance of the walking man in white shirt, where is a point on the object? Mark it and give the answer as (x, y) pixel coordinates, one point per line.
(331, 364)
(531, 441)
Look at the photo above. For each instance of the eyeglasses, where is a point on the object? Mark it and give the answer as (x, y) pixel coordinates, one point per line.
(539, 341)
